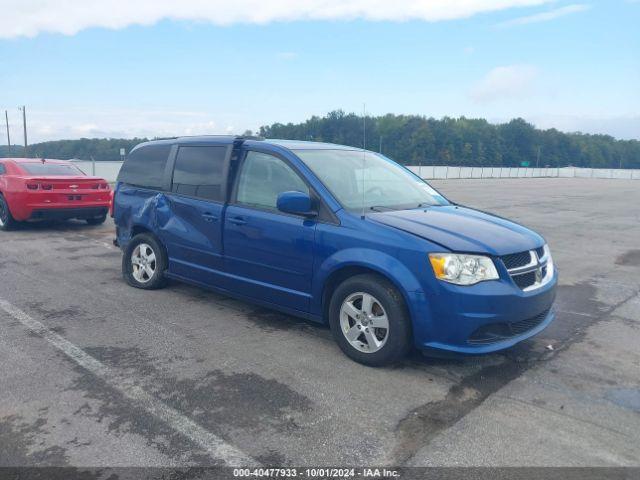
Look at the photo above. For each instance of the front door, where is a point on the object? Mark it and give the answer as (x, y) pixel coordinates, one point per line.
(268, 254)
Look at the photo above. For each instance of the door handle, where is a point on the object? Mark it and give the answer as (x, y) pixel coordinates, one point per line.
(209, 217)
(238, 220)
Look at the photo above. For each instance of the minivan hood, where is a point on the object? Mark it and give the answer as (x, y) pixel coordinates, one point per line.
(462, 229)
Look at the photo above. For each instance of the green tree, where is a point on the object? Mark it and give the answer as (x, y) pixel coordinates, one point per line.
(409, 139)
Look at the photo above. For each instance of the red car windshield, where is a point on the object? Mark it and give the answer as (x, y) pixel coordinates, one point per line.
(55, 169)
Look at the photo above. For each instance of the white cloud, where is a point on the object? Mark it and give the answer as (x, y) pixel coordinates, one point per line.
(31, 17)
(87, 129)
(117, 123)
(512, 81)
(546, 16)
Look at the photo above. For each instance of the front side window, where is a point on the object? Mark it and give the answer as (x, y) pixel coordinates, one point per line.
(263, 177)
(198, 172)
(369, 180)
(50, 169)
(2, 169)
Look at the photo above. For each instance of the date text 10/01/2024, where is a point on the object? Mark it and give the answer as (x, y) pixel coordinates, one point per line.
(316, 472)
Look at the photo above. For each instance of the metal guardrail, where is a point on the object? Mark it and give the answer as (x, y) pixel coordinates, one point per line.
(109, 171)
(431, 172)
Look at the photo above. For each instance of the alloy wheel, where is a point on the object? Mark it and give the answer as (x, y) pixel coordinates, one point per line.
(143, 261)
(364, 322)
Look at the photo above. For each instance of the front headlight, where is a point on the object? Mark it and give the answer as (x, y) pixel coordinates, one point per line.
(462, 269)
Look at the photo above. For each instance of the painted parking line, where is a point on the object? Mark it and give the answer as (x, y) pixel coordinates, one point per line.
(215, 446)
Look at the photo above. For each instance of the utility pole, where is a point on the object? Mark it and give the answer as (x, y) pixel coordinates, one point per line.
(380, 149)
(24, 126)
(538, 157)
(6, 117)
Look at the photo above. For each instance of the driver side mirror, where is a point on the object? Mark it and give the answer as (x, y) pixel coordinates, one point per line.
(297, 203)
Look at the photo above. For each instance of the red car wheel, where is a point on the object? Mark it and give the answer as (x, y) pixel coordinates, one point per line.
(6, 220)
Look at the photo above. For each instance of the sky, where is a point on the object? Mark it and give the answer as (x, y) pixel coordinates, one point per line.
(146, 68)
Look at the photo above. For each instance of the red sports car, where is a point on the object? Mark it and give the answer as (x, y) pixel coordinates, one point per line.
(43, 189)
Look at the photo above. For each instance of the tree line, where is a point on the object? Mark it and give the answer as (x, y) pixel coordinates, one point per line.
(415, 140)
(84, 149)
(408, 139)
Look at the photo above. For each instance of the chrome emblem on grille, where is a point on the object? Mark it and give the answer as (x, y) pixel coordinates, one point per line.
(534, 274)
(538, 275)
(538, 268)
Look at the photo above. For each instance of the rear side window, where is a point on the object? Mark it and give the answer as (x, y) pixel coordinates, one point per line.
(145, 166)
(2, 169)
(198, 172)
(51, 169)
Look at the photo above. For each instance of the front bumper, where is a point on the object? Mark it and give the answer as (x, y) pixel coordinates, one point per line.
(483, 318)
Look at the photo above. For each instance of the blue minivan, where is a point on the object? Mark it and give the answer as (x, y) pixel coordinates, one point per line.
(336, 235)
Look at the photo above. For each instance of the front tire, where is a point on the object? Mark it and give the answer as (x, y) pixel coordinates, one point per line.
(144, 262)
(369, 321)
(7, 221)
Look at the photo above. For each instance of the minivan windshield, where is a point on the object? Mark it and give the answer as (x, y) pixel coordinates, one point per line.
(357, 178)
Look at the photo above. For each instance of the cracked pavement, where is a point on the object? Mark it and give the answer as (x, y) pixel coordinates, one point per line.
(278, 388)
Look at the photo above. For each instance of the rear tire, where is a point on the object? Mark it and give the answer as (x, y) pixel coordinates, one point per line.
(144, 262)
(369, 321)
(7, 221)
(96, 220)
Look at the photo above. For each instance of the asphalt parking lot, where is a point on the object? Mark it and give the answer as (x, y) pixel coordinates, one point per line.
(96, 373)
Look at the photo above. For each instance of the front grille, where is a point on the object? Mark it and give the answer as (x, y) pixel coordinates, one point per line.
(496, 332)
(525, 280)
(523, 326)
(516, 260)
(525, 268)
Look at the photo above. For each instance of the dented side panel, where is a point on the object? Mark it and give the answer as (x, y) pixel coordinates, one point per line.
(135, 209)
(191, 230)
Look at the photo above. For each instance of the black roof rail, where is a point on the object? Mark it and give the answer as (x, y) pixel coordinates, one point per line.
(242, 138)
(237, 139)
